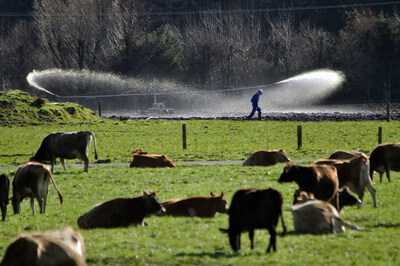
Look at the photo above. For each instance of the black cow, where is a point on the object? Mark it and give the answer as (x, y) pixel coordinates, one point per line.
(65, 145)
(4, 191)
(254, 209)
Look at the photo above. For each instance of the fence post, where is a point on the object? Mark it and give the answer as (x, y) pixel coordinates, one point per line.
(387, 111)
(184, 136)
(299, 137)
(380, 135)
(100, 109)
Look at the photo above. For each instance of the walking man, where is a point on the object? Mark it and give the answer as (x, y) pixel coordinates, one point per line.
(254, 102)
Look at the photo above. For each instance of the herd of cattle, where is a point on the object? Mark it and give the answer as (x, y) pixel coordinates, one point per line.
(325, 187)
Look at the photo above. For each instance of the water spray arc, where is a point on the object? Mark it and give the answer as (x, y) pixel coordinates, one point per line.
(300, 90)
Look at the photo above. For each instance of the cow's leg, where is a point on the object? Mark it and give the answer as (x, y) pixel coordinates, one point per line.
(272, 239)
(44, 203)
(86, 162)
(33, 205)
(387, 169)
(3, 212)
(371, 190)
(53, 161)
(234, 239)
(251, 237)
(63, 163)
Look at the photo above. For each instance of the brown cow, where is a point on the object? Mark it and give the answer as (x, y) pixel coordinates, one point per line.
(318, 217)
(266, 158)
(321, 180)
(66, 145)
(205, 207)
(345, 154)
(346, 198)
(51, 248)
(4, 192)
(143, 159)
(384, 158)
(32, 180)
(353, 173)
(121, 212)
(254, 209)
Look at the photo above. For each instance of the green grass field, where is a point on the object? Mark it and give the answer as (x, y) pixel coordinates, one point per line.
(183, 241)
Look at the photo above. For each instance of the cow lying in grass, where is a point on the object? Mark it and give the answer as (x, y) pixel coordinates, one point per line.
(205, 207)
(143, 159)
(63, 247)
(266, 158)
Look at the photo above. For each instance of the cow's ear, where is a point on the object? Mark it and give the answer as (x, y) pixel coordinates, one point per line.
(222, 194)
(144, 192)
(212, 194)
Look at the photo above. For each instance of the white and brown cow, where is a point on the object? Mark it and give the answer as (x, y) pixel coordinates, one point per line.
(65, 145)
(32, 181)
(266, 158)
(318, 217)
(353, 173)
(384, 158)
(204, 207)
(121, 212)
(50, 248)
(143, 159)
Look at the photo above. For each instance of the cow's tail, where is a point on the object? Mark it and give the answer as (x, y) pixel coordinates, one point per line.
(283, 222)
(94, 143)
(55, 186)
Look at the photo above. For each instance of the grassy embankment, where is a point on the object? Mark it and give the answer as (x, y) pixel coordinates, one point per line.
(172, 241)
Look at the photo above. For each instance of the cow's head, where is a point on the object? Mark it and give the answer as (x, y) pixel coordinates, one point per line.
(282, 157)
(151, 203)
(300, 196)
(287, 175)
(347, 198)
(222, 205)
(138, 152)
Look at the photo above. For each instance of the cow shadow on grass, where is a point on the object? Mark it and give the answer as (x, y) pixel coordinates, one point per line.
(215, 255)
(385, 225)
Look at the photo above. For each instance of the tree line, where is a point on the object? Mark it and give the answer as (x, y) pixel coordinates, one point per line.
(209, 44)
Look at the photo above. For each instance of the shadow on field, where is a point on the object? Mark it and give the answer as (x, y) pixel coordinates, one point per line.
(215, 255)
(386, 225)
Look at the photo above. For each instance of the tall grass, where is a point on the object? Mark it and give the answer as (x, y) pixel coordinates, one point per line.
(176, 241)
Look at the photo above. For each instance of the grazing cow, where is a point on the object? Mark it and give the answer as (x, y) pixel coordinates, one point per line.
(345, 154)
(143, 159)
(4, 191)
(50, 248)
(318, 217)
(346, 198)
(254, 209)
(384, 157)
(353, 173)
(204, 207)
(121, 212)
(32, 180)
(321, 180)
(266, 158)
(66, 145)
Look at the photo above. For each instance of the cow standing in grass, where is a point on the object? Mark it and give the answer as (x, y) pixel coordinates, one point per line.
(4, 192)
(254, 209)
(66, 145)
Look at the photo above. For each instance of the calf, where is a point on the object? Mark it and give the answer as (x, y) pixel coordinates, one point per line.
(65, 145)
(353, 173)
(318, 217)
(4, 191)
(254, 209)
(321, 180)
(205, 207)
(143, 159)
(32, 180)
(52, 248)
(121, 212)
(266, 158)
(384, 158)
(346, 198)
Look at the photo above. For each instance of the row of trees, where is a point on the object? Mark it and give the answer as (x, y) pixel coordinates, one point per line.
(191, 44)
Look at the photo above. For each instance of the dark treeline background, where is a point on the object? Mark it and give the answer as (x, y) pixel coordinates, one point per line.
(209, 44)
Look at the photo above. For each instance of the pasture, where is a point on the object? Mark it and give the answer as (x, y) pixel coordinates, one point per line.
(172, 241)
